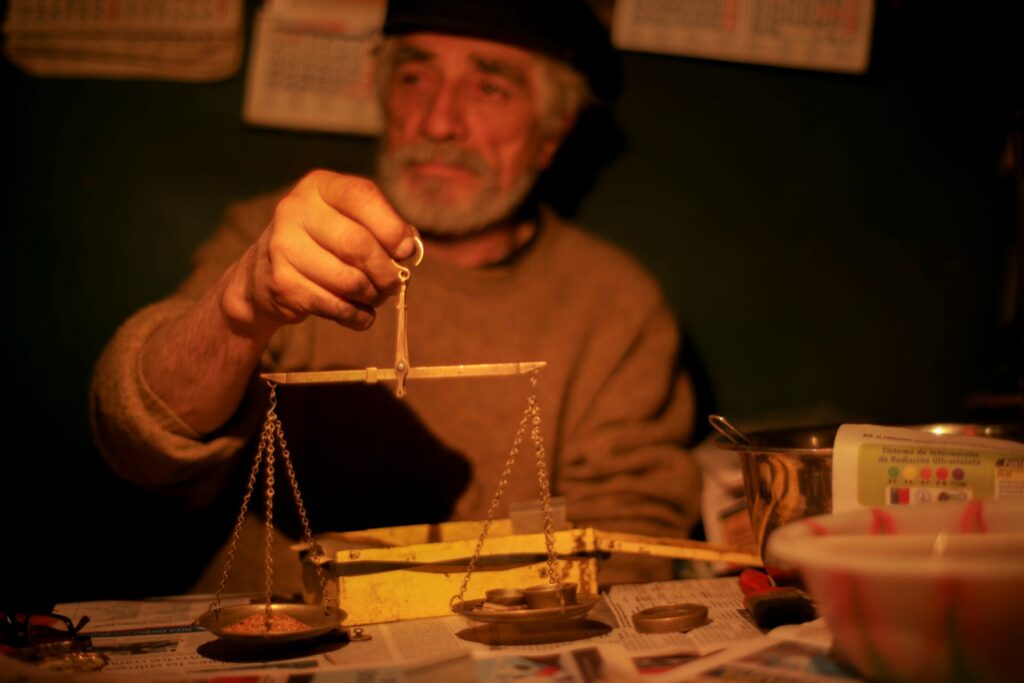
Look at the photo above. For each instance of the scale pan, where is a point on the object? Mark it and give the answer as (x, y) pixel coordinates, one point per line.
(317, 620)
(472, 609)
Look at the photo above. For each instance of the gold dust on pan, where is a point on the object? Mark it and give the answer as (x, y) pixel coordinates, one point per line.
(257, 623)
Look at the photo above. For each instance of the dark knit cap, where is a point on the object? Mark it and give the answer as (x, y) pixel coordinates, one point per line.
(566, 30)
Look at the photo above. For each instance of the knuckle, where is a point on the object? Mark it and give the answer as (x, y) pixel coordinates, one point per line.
(365, 190)
(339, 309)
(286, 209)
(361, 184)
(355, 284)
(345, 311)
(315, 176)
(280, 283)
(362, 319)
(277, 249)
(348, 314)
(278, 293)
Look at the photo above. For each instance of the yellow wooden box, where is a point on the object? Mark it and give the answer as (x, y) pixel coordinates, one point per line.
(411, 572)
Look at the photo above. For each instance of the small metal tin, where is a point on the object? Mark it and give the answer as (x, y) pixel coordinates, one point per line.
(670, 618)
(506, 596)
(546, 595)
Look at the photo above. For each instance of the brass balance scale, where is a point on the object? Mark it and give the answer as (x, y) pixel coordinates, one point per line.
(281, 622)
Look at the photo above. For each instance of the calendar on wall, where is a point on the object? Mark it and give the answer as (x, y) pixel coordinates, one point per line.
(181, 40)
(311, 66)
(824, 35)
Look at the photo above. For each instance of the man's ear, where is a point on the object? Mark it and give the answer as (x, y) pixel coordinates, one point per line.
(553, 140)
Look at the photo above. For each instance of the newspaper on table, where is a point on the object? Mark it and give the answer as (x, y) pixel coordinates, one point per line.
(787, 654)
(311, 66)
(829, 35)
(729, 621)
(617, 649)
(874, 466)
(158, 639)
(180, 40)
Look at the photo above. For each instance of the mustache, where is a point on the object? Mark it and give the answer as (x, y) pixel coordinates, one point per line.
(432, 152)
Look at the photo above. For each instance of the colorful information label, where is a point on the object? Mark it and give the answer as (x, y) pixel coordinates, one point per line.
(875, 466)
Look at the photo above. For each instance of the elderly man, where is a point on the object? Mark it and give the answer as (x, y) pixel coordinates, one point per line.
(477, 99)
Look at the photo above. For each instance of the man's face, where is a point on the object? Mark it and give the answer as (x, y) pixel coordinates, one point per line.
(463, 143)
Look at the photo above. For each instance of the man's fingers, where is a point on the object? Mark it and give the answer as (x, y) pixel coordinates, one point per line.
(353, 244)
(340, 278)
(362, 201)
(296, 297)
(329, 251)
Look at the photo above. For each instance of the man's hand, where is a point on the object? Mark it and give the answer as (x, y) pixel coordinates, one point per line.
(328, 252)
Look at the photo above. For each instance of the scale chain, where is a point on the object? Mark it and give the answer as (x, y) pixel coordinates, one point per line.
(269, 525)
(233, 547)
(273, 427)
(456, 602)
(273, 432)
(307, 533)
(531, 416)
(544, 484)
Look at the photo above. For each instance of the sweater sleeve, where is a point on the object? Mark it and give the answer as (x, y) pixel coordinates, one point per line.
(624, 462)
(142, 439)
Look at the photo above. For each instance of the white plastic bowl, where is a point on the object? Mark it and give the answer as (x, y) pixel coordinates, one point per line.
(920, 592)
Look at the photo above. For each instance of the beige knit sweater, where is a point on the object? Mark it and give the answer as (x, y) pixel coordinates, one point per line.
(615, 411)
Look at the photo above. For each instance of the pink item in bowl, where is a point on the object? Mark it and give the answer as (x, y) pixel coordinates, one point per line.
(930, 592)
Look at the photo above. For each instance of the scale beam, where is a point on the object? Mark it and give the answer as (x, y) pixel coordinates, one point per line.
(374, 375)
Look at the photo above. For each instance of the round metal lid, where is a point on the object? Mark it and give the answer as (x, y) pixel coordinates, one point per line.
(670, 618)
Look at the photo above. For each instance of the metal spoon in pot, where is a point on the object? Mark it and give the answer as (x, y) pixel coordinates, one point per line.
(725, 428)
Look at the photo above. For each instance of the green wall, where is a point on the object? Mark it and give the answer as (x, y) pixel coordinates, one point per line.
(836, 247)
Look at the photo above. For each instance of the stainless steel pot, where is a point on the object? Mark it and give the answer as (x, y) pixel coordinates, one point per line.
(787, 473)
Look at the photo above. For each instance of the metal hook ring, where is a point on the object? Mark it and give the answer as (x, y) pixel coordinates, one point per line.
(415, 259)
(419, 250)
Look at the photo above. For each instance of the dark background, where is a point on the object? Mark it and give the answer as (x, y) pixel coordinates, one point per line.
(838, 248)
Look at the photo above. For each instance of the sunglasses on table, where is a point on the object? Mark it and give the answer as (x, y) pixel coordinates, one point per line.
(49, 640)
(27, 629)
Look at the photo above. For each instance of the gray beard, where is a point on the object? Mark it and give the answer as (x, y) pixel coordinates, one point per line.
(428, 210)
